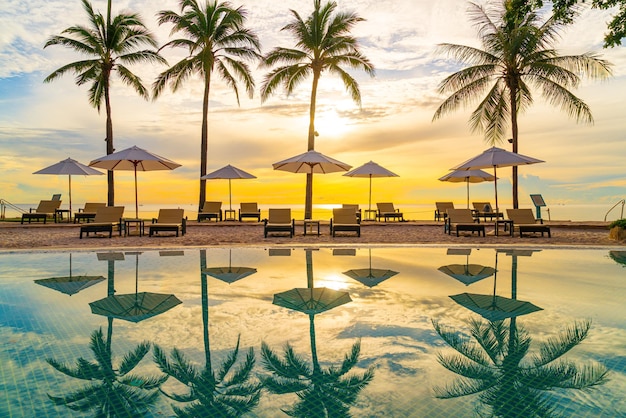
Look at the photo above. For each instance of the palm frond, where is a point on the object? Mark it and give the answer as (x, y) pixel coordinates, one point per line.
(556, 347)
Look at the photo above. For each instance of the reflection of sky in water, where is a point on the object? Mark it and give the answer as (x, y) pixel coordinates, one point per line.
(392, 319)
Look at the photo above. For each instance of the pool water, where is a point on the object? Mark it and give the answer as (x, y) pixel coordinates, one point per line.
(363, 332)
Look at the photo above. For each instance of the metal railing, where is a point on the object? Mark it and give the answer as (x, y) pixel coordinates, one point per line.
(6, 204)
(621, 202)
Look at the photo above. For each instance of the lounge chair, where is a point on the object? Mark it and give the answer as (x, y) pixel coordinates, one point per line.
(169, 220)
(279, 220)
(442, 207)
(345, 219)
(463, 220)
(249, 210)
(355, 208)
(485, 210)
(524, 221)
(45, 209)
(88, 212)
(106, 219)
(386, 211)
(211, 210)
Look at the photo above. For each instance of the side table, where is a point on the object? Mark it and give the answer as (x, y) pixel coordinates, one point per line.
(230, 214)
(309, 224)
(137, 223)
(58, 215)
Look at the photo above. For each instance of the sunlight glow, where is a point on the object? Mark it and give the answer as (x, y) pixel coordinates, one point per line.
(330, 124)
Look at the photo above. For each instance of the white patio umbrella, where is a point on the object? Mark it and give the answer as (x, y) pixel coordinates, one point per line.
(370, 170)
(494, 158)
(228, 172)
(311, 162)
(135, 159)
(69, 167)
(467, 176)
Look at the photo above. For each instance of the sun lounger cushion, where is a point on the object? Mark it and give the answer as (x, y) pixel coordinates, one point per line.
(345, 219)
(524, 221)
(169, 220)
(107, 218)
(279, 220)
(462, 220)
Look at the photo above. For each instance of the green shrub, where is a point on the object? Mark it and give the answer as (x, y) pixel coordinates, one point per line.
(618, 222)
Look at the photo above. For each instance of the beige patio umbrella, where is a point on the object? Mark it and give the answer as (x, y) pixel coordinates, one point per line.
(311, 162)
(69, 167)
(228, 172)
(495, 158)
(369, 170)
(467, 176)
(134, 159)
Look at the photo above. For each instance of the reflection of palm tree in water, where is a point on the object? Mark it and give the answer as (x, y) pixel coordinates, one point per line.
(321, 392)
(227, 392)
(113, 391)
(492, 364)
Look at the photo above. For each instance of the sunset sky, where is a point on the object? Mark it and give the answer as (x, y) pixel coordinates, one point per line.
(41, 124)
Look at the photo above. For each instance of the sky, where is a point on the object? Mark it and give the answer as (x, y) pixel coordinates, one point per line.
(41, 124)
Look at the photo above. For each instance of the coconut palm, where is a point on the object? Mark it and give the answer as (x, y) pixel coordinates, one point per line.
(496, 363)
(518, 55)
(218, 43)
(323, 44)
(225, 392)
(113, 391)
(321, 392)
(109, 46)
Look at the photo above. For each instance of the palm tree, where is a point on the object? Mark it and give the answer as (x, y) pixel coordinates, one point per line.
(323, 43)
(217, 41)
(226, 392)
(110, 46)
(492, 365)
(113, 391)
(517, 56)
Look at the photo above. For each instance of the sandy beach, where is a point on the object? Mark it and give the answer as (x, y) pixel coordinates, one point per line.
(14, 236)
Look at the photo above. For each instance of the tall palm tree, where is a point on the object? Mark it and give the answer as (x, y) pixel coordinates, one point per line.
(323, 43)
(217, 41)
(113, 391)
(518, 55)
(492, 364)
(109, 45)
(224, 392)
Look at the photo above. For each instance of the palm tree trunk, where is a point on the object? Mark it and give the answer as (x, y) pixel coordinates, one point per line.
(308, 203)
(205, 310)
(204, 145)
(514, 131)
(109, 143)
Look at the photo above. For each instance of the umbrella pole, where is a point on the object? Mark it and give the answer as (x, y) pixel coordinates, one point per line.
(495, 183)
(70, 181)
(230, 196)
(136, 201)
(370, 201)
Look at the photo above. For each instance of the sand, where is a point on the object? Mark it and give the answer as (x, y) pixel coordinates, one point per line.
(14, 236)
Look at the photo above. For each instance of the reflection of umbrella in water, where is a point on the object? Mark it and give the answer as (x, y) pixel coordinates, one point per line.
(69, 167)
(370, 277)
(467, 273)
(134, 307)
(229, 274)
(135, 159)
(618, 256)
(70, 284)
(228, 172)
(493, 307)
(311, 300)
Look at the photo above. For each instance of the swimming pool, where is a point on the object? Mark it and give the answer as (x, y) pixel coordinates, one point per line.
(371, 342)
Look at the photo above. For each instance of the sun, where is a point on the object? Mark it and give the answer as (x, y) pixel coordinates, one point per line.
(330, 124)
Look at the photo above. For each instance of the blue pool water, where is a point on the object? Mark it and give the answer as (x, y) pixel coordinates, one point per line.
(377, 324)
